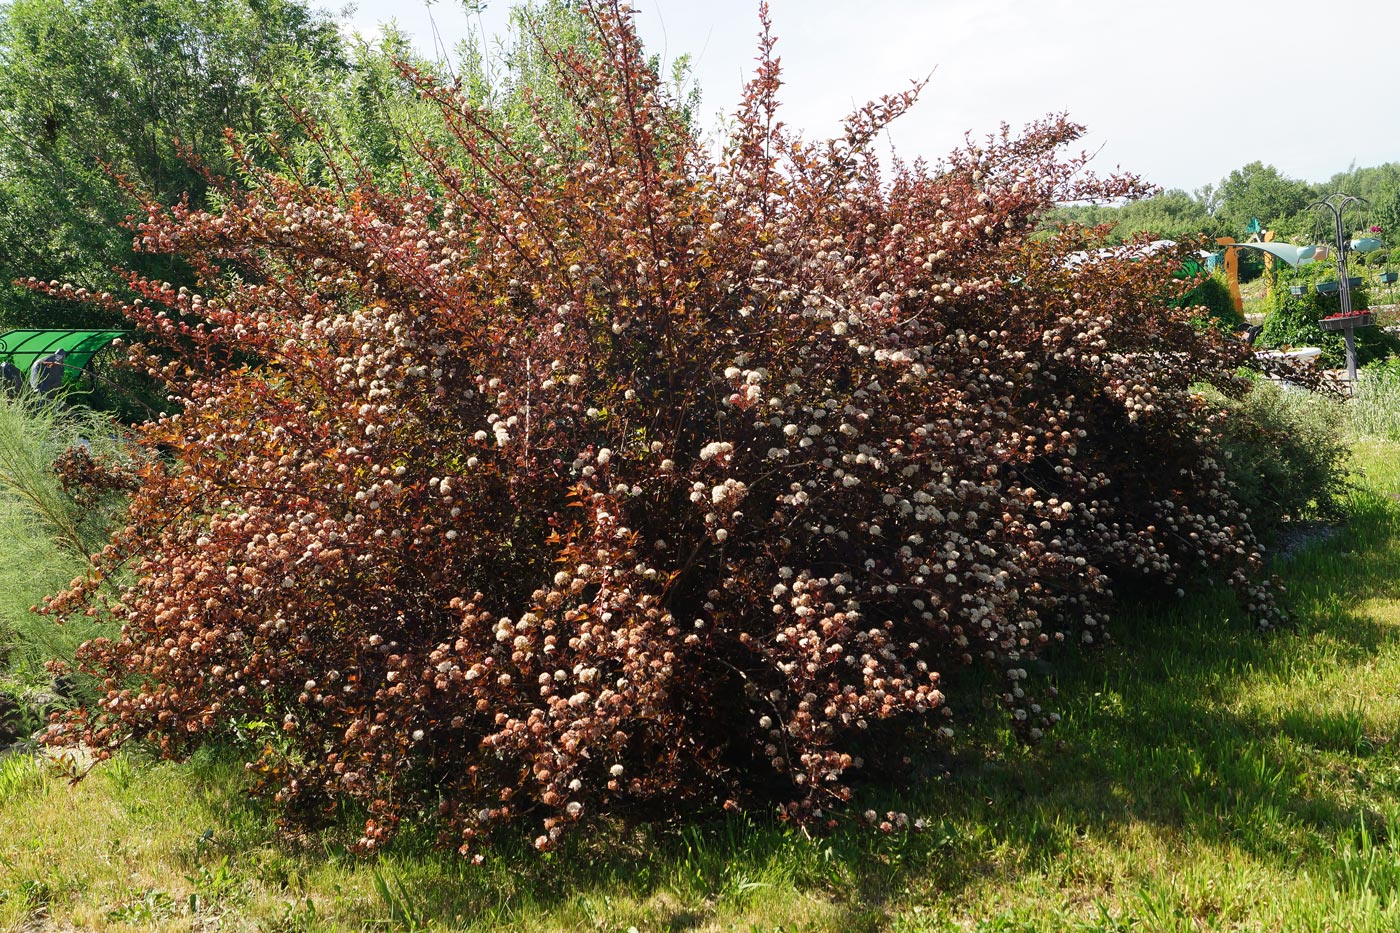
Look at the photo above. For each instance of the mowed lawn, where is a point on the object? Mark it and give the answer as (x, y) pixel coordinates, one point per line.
(1205, 777)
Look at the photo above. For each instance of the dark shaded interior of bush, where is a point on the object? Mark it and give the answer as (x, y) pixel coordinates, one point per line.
(613, 476)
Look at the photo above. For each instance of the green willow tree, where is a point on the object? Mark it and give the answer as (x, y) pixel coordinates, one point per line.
(91, 87)
(1385, 208)
(379, 124)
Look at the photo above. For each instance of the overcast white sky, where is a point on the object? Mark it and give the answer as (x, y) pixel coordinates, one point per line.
(1167, 89)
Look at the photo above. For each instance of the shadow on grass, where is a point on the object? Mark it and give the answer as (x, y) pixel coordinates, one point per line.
(1159, 732)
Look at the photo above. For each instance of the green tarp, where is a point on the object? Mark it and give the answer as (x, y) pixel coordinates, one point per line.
(23, 347)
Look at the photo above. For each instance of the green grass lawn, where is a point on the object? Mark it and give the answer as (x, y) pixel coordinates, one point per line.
(1205, 777)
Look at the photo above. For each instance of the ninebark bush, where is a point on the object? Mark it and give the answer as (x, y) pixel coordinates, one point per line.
(627, 477)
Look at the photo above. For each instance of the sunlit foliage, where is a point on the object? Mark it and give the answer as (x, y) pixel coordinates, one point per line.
(626, 477)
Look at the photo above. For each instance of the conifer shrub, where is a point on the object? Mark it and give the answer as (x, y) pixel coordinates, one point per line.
(1212, 296)
(625, 477)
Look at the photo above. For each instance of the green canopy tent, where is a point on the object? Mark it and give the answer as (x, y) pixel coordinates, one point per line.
(23, 347)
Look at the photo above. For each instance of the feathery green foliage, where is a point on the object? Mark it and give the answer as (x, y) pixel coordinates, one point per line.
(1214, 295)
(46, 533)
(129, 84)
(1374, 409)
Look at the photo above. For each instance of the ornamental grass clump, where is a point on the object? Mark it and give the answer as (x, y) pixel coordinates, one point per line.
(617, 476)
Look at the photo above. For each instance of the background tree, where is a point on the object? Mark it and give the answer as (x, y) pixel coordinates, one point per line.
(1173, 214)
(1370, 182)
(1385, 211)
(92, 87)
(1257, 191)
(129, 84)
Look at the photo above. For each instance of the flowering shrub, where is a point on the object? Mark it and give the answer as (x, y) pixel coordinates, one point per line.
(625, 477)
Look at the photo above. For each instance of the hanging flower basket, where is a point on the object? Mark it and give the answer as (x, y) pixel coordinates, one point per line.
(1388, 278)
(1344, 321)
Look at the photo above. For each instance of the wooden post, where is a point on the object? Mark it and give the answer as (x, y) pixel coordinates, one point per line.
(1232, 271)
(1268, 265)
